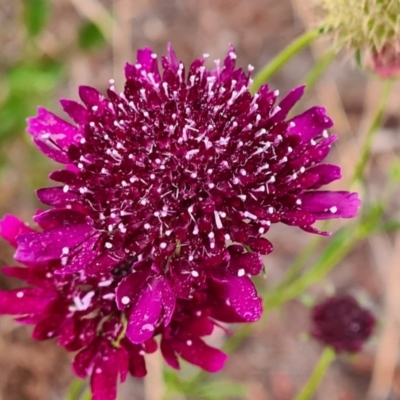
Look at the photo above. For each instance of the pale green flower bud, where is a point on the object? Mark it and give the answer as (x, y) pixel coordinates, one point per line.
(370, 27)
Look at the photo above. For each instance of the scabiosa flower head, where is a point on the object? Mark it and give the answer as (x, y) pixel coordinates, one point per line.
(158, 225)
(342, 323)
(178, 164)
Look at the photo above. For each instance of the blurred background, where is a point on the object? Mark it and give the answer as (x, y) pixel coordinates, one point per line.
(49, 47)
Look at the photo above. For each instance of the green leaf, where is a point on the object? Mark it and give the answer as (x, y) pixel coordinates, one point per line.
(36, 13)
(90, 37)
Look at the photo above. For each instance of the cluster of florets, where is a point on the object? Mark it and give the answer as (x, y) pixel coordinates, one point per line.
(368, 27)
(340, 322)
(159, 221)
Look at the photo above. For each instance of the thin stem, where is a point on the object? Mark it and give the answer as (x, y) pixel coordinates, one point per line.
(283, 57)
(375, 124)
(318, 69)
(326, 359)
(296, 267)
(76, 389)
(338, 247)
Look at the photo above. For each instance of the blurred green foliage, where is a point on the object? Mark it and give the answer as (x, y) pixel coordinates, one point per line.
(90, 37)
(32, 75)
(28, 85)
(201, 389)
(36, 14)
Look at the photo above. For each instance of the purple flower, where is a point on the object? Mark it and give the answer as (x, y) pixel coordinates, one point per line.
(176, 165)
(158, 223)
(340, 322)
(81, 313)
(112, 320)
(183, 336)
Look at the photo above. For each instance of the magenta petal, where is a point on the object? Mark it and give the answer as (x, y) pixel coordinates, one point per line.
(326, 173)
(137, 365)
(311, 123)
(99, 264)
(287, 103)
(168, 352)
(47, 328)
(121, 359)
(90, 96)
(199, 353)
(298, 218)
(104, 379)
(199, 326)
(168, 301)
(65, 176)
(251, 263)
(23, 301)
(130, 71)
(88, 258)
(173, 60)
(260, 245)
(75, 110)
(83, 362)
(148, 61)
(51, 150)
(17, 272)
(145, 313)
(328, 205)
(144, 58)
(55, 196)
(11, 227)
(129, 288)
(85, 333)
(315, 231)
(59, 217)
(242, 296)
(67, 333)
(48, 245)
(52, 134)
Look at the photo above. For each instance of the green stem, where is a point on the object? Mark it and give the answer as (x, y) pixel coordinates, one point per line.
(76, 389)
(296, 267)
(283, 57)
(318, 69)
(375, 124)
(326, 359)
(338, 247)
